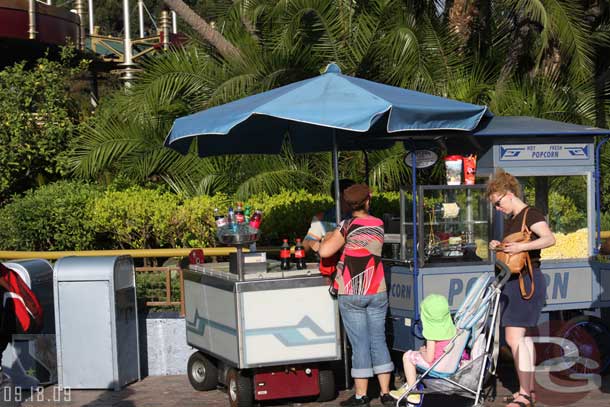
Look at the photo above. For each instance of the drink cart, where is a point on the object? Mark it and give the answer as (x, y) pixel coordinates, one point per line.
(454, 223)
(263, 332)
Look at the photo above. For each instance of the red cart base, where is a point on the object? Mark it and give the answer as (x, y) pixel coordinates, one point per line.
(286, 383)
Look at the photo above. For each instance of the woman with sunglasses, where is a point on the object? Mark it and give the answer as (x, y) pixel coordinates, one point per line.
(519, 314)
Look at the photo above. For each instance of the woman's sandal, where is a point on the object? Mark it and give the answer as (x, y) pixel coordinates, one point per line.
(530, 403)
(511, 397)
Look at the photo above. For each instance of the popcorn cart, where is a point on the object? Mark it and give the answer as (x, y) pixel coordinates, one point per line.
(445, 249)
(263, 332)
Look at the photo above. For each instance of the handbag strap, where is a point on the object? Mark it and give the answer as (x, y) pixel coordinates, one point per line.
(524, 227)
(528, 264)
(530, 271)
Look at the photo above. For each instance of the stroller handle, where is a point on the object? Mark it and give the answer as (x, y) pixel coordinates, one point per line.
(503, 274)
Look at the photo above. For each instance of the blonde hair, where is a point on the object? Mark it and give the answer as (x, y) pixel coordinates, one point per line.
(503, 182)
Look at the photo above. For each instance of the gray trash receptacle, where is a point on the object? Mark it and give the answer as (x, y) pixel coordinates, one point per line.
(96, 322)
(30, 359)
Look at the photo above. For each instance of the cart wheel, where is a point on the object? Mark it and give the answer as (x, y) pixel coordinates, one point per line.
(202, 373)
(598, 331)
(239, 388)
(328, 391)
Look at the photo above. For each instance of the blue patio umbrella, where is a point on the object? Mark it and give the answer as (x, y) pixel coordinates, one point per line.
(356, 113)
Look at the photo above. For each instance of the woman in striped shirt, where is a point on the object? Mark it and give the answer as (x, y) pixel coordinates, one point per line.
(362, 294)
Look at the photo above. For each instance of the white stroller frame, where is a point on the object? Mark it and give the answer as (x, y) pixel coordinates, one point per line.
(471, 321)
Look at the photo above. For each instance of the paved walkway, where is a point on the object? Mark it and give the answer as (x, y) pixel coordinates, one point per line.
(170, 391)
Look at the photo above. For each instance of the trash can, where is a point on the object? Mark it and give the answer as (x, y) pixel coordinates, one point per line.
(30, 360)
(96, 322)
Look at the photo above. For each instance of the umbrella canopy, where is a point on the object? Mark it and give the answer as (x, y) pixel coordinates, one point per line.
(312, 111)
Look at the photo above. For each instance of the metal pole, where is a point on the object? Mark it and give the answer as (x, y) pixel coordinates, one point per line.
(174, 22)
(338, 218)
(141, 17)
(336, 175)
(90, 4)
(128, 62)
(415, 254)
(49, 2)
(165, 21)
(598, 203)
(239, 256)
(80, 10)
(32, 20)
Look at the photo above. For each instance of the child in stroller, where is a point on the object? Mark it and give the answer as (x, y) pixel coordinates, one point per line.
(438, 330)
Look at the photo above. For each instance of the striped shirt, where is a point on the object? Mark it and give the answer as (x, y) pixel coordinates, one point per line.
(360, 271)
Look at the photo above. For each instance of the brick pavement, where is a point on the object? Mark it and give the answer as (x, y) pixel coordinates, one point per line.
(175, 391)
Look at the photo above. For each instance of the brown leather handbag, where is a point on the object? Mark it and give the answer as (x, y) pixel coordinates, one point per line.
(519, 263)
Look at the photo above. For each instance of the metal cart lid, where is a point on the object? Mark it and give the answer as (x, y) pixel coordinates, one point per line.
(75, 268)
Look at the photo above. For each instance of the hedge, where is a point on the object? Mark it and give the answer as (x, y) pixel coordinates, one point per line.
(77, 216)
(70, 215)
(53, 217)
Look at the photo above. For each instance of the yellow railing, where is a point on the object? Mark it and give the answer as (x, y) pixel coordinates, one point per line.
(138, 253)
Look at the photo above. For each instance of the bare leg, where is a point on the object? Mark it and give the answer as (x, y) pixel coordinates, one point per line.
(361, 385)
(522, 356)
(411, 376)
(384, 382)
(410, 370)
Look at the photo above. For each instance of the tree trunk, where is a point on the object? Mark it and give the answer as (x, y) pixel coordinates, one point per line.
(461, 17)
(222, 45)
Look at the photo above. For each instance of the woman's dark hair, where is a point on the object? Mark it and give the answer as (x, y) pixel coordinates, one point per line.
(356, 196)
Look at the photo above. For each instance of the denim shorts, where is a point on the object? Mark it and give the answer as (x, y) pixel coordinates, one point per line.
(364, 321)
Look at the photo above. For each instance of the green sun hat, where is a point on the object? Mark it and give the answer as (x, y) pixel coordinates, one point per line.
(436, 318)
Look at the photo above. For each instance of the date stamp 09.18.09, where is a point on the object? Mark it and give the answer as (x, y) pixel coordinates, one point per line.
(32, 395)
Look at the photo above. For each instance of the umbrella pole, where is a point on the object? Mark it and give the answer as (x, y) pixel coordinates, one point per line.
(338, 218)
(336, 175)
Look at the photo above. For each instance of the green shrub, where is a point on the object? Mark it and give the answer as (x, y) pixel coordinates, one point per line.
(287, 214)
(193, 222)
(53, 217)
(564, 216)
(137, 218)
(385, 202)
(605, 221)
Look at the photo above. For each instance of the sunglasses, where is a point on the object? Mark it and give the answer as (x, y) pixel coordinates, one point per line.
(498, 202)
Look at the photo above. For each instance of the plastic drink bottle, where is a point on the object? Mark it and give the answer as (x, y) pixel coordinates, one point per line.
(285, 256)
(255, 220)
(239, 214)
(299, 255)
(231, 219)
(220, 220)
(247, 214)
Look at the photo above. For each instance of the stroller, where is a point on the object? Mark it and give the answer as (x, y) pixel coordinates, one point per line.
(477, 323)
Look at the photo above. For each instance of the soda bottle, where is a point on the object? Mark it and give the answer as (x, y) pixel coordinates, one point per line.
(231, 219)
(239, 214)
(220, 220)
(247, 214)
(285, 256)
(255, 220)
(299, 255)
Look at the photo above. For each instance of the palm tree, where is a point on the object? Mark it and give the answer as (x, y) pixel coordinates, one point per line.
(403, 43)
